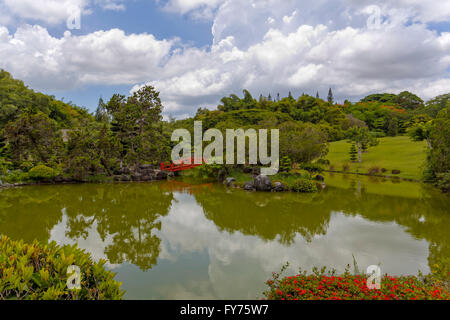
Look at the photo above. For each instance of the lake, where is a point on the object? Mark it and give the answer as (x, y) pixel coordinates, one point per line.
(174, 240)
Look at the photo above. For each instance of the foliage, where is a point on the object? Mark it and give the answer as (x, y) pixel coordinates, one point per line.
(136, 123)
(285, 164)
(302, 143)
(41, 172)
(32, 137)
(353, 153)
(15, 98)
(304, 185)
(212, 171)
(325, 284)
(39, 272)
(438, 161)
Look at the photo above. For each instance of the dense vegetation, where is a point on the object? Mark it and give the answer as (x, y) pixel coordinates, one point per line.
(40, 272)
(327, 285)
(63, 140)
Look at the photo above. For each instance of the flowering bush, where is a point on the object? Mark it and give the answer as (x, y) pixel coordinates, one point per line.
(329, 286)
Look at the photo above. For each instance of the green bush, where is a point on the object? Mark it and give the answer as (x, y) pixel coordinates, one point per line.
(26, 166)
(40, 272)
(16, 176)
(304, 185)
(41, 172)
(443, 181)
(4, 166)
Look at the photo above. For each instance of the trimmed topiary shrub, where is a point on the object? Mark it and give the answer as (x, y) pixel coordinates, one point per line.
(304, 185)
(41, 172)
(40, 272)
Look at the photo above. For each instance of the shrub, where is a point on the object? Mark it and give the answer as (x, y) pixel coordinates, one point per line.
(312, 168)
(39, 272)
(304, 185)
(16, 176)
(4, 166)
(374, 170)
(26, 166)
(285, 164)
(323, 162)
(396, 172)
(345, 167)
(443, 181)
(41, 172)
(323, 285)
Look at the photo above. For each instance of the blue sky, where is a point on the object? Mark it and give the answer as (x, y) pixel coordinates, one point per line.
(197, 51)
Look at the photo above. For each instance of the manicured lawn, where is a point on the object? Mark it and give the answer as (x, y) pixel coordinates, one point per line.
(393, 153)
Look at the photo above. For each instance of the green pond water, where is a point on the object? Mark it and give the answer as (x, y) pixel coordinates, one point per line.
(173, 240)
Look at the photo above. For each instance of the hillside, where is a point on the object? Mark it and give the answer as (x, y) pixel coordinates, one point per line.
(15, 97)
(393, 153)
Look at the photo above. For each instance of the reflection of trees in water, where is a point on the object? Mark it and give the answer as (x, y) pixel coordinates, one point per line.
(125, 213)
(266, 215)
(283, 215)
(128, 214)
(29, 213)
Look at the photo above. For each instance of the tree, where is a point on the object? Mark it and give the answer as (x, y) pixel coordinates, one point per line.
(421, 132)
(302, 143)
(136, 122)
(353, 153)
(285, 164)
(290, 96)
(439, 154)
(317, 95)
(361, 136)
(409, 100)
(33, 137)
(101, 115)
(330, 96)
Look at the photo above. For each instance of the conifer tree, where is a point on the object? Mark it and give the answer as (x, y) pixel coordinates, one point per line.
(330, 96)
(353, 153)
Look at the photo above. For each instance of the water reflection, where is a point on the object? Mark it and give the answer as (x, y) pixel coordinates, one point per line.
(173, 240)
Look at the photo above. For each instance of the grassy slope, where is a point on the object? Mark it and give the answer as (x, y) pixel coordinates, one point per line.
(392, 153)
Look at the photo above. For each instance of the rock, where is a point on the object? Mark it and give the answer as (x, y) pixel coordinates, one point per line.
(171, 174)
(396, 171)
(278, 187)
(229, 181)
(126, 171)
(160, 175)
(319, 178)
(125, 178)
(147, 177)
(58, 179)
(263, 183)
(136, 177)
(117, 178)
(247, 170)
(146, 166)
(249, 186)
(256, 171)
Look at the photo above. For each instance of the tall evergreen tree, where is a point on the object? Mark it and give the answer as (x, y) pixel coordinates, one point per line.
(101, 115)
(353, 153)
(330, 96)
(317, 95)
